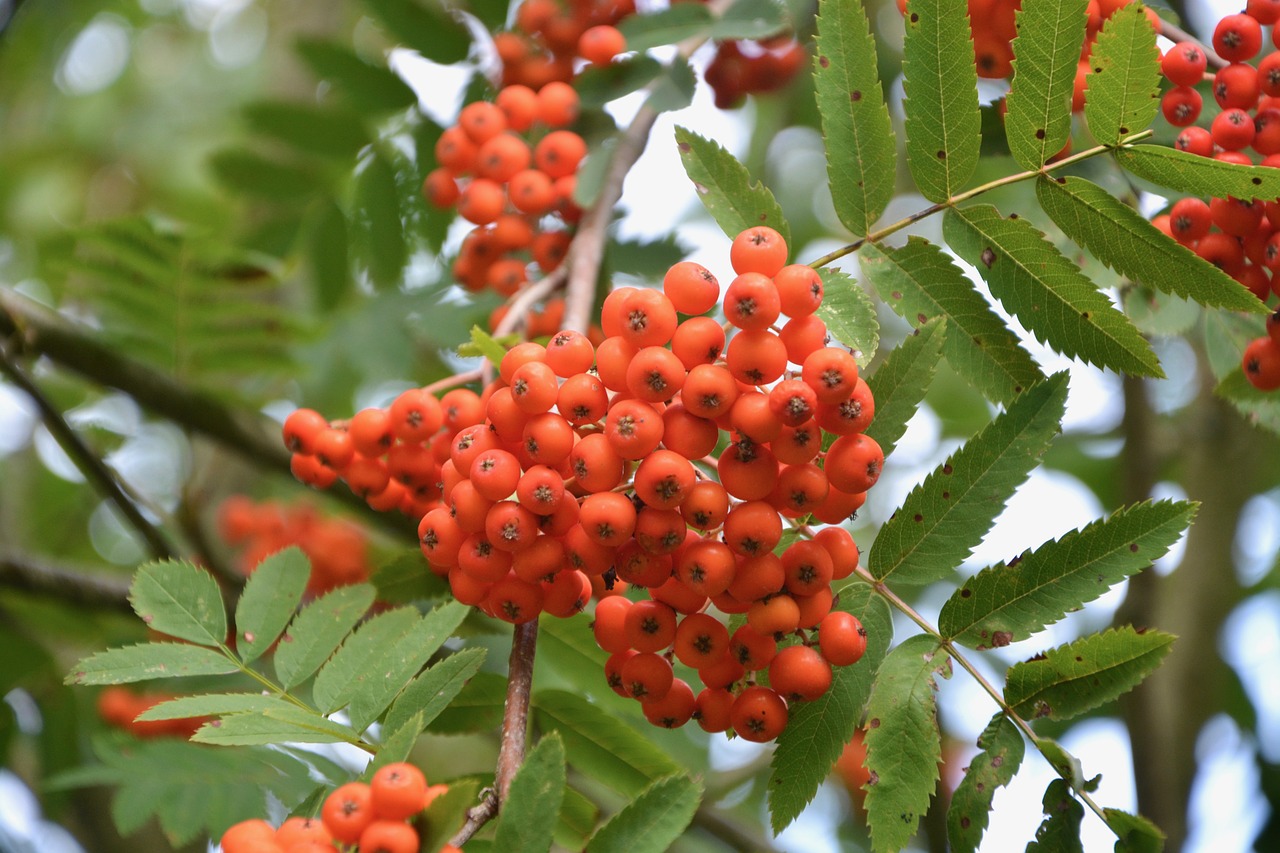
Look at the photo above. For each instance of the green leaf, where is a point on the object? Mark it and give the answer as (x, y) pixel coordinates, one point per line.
(600, 744)
(1010, 601)
(447, 813)
(327, 245)
(817, 731)
(433, 690)
(476, 708)
(651, 822)
(194, 790)
(324, 131)
(849, 314)
(529, 813)
(1159, 314)
(145, 661)
(175, 598)
(1046, 292)
(597, 85)
(390, 671)
(591, 172)
(268, 179)
(578, 816)
(1071, 679)
(920, 282)
(1192, 174)
(378, 224)
(1046, 53)
(405, 579)
(348, 671)
(943, 518)
(1064, 763)
(673, 88)
(371, 89)
(1260, 407)
(1123, 92)
(943, 124)
(855, 119)
(397, 746)
(1121, 238)
(212, 705)
(269, 599)
(901, 381)
(676, 23)
(427, 28)
(750, 19)
(1136, 834)
(904, 745)
(1060, 830)
(725, 187)
(644, 258)
(487, 346)
(317, 630)
(276, 725)
(1000, 755)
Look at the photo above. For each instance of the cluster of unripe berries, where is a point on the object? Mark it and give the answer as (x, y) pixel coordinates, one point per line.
(120, 707)
(356, 818)
(337, 550)
(1238, 236)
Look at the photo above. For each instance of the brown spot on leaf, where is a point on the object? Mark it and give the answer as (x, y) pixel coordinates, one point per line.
(966, 592)
(922, 319)
(897, 294)
(824, 62)
(685, 147)
(873, 723)
(964, 823)
(700, 188)
(919, 517)
(1134, 547)
(946, 469)
(1040, 134)
(1000, 639)
(855, 96)
(988, 257)
(942, 155)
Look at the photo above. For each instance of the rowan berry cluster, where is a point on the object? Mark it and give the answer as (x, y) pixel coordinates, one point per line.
(506, 165)
(745, 67)
(120, 707)
(549, 36)
(337, 550)
(356, 818)
(1238, 236)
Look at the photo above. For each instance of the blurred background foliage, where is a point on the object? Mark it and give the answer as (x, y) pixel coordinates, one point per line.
(226, 192)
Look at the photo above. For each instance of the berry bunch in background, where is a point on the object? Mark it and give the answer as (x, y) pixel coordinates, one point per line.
(749, 67)
(358, 817)
(120, 707)
(549, 38)
(337, 549)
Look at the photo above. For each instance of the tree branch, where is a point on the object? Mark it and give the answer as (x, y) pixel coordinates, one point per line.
(43, 332)
(21, 572)
(93, 468)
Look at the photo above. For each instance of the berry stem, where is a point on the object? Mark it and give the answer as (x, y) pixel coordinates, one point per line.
(1178, 35)
(925, 213)
(968, 666)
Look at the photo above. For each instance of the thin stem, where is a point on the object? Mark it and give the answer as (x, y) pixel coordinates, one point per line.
(452, 381)
(519, 304)
(1175, 33)
(19, 571)
(938, 207)
(967, 665)
(93, 468)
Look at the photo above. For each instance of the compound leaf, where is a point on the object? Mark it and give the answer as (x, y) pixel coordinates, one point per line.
(943, 126)
(1192, 174)
(1046, 52)
(943, 518)
(1046, 292)
(601, 745)
(433, 690)
(318, 629)
(528, 818)
(1121, 238)
(902, 380)
(855, 119)
(1010, 601)
(427, 28)
(1000, 755)
(850, 314)
(1123, 91)
(353, 666)
(176, 598)
(725, 187)
(145, 661)
(269, 600)
(367, 88)
(1081, 675)
(211, 705)
(920, 282)
(817, 731)
(651, 822)
(904, 745)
